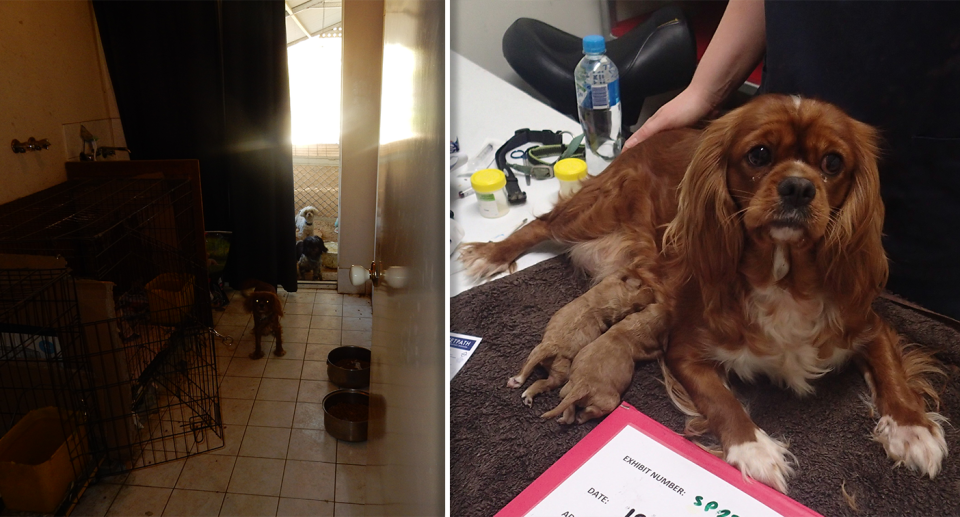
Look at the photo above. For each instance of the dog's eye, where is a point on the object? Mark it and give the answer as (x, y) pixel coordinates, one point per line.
(832, 164)
(759, 156)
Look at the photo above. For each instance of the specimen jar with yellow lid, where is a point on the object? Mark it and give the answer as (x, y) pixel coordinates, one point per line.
(571, 172)
(491, 198)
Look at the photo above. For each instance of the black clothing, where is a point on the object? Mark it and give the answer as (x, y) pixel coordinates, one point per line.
(896, 66)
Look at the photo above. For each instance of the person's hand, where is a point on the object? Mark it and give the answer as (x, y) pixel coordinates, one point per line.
(684, 110)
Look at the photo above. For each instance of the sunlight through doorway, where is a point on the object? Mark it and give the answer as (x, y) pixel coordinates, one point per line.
(314, 49)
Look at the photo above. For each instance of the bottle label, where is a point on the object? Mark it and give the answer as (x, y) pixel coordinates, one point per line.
(600, 89)
(599, 96)
(614, 92)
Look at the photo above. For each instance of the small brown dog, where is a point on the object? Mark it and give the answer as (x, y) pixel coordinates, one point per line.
(262, 301)
(602, 371)
(577, 324)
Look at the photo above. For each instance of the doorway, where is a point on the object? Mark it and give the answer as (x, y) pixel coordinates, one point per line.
(314, 50)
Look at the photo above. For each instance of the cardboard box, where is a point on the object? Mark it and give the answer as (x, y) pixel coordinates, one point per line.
(104, 352)
(39, 458)
(108, 364)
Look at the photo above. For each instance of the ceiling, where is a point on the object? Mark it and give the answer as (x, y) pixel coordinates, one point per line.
(318, 18)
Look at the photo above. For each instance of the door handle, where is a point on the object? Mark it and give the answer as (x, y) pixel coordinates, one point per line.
(394, 276)
(359, 275)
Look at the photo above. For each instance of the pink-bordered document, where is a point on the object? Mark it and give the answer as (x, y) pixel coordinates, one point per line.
(632, 466)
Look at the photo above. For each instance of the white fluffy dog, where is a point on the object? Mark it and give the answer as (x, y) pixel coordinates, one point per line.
(304, 222)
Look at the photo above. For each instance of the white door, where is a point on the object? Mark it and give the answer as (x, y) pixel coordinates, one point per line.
(406, 452)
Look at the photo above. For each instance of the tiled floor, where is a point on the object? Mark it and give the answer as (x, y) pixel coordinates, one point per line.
(277, 459)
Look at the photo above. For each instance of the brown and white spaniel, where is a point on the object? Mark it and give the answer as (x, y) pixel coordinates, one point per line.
(761, 237)
(263, 303)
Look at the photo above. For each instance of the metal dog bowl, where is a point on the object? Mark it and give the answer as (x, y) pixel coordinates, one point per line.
(345, 414)
(349, 366)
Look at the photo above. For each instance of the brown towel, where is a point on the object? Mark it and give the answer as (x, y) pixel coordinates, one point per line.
(498, 446)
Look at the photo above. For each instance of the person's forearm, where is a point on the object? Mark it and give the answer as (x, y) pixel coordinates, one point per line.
(733, 53)
(736, 48)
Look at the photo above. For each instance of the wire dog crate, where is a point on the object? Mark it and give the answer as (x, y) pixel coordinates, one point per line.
(126, 231)
(156, 389)
(144, 312)
(44, 374)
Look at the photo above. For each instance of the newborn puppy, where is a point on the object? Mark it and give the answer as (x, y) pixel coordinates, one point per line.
(577, 324)
(602, 371)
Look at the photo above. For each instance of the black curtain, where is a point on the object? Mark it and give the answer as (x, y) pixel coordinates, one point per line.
(208, 80)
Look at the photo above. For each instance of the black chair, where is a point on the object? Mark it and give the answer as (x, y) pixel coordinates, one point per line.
(657, 56)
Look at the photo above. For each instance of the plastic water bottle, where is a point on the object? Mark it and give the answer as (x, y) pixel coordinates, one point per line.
(598, 101)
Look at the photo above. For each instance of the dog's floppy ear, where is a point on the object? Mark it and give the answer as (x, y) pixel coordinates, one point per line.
(277, 306)
(299, 249)
(705, 239)
(852, 255)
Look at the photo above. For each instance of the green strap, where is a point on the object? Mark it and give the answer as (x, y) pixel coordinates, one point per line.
(537, 155)
(572, 148)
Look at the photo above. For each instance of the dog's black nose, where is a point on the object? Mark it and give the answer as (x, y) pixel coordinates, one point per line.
(796, 192)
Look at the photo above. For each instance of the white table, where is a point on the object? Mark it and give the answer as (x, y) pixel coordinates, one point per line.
(486, 108)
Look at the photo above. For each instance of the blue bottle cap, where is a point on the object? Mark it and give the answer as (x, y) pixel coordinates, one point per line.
(594, 44)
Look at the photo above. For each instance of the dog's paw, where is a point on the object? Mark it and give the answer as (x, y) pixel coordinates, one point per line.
(766, 460)
(514, 382)
(569, 416)
(279, 352)
(918, 447)
(256, 354)
(475, 258)
(529, 393)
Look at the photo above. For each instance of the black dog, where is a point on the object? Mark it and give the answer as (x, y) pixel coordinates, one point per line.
(310, 251)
